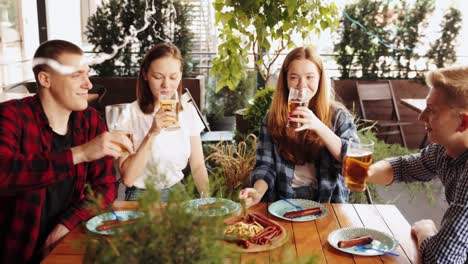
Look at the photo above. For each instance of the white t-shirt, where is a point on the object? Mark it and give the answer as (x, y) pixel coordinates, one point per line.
(305, 175)
(171, 148)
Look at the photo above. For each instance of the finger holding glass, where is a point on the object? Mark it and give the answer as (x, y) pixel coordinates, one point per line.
(169, 105)
(298, 97)
(356, 163)
(117, 118)
(162, 120)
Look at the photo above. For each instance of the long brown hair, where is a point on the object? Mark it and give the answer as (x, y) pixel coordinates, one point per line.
(299, 147)
(144, 95)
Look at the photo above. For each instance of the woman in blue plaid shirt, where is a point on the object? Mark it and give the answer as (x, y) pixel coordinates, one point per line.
(303, 162)
(446, 120)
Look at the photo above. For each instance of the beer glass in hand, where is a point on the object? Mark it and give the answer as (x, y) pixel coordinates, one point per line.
(169, 101)
(356, 162)
(297, 97)
(118, 118)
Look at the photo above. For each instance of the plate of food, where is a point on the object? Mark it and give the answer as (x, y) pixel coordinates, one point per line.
(212, 206)
(253, 233)
(108, 223)
(288, 209)
(362, 241)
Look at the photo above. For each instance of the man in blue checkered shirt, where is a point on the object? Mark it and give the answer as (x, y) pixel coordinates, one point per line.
(446, 120)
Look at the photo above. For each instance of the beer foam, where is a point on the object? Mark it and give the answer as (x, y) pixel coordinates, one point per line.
(358, 153)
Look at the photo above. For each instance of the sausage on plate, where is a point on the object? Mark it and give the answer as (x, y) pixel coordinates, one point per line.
(305, 212)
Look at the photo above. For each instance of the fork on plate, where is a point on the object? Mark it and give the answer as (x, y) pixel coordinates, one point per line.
(298, 207)
(364, 248)
(118, 218)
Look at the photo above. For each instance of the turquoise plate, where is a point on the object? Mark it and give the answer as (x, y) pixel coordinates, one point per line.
(229, 207)
(96, 221)
(280, 207)
(381, 241)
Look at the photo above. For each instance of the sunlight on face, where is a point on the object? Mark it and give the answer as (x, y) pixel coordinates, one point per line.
(303, 73)
(441, 121)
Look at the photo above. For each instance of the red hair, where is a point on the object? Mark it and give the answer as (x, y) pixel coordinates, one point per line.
(299, 147)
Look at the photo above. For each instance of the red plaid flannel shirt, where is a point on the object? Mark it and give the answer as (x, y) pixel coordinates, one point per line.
(28, 167)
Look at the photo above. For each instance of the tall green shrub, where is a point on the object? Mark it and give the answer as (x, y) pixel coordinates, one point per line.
(383, 39)
(442, 51)
(116, 20)
(410, 23)
(255, 26)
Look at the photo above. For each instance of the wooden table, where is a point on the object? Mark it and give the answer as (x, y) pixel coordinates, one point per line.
(305, 239)
(10, 96)
(417, 105)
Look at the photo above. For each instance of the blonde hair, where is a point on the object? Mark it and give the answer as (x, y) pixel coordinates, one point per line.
(453, 82)
(304, 146)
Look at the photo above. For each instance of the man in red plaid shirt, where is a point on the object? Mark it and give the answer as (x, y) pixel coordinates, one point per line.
(53, 149)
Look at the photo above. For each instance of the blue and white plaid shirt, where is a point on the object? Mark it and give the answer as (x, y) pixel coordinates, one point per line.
(450, 244)
(278, 172)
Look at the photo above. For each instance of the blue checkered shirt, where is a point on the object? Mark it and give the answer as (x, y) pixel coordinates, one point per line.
(278, 172)
(450, 244)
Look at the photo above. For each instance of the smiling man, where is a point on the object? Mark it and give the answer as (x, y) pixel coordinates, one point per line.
(52, 146)
(446, 120)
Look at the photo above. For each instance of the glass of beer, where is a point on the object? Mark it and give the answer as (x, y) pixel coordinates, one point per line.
(297, 97)
(118, 120)
(169, 101)
(356, 162)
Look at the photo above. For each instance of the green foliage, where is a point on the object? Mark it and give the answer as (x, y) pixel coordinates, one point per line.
(355, 47)
(397, 23)
(442, 52)
(411, 20)
(225, 102)
(253, 26)
(116, 20)
(168, 235)
(257, 111)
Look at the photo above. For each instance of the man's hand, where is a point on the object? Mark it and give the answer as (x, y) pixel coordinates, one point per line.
(423, 229)
(112, 143)
(57, 233)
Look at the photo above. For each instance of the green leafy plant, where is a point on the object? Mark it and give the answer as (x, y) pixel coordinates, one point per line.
(389, 45)
(442, 52)
(257, 111)
(166, 233)
(411, 20)
(115, 22)
(253, 26)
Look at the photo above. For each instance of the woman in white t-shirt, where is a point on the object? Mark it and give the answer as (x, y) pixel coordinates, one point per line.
(162, 154)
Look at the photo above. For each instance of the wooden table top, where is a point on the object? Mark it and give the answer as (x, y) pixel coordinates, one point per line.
(10, 96)
(305, 238)
(417, 105)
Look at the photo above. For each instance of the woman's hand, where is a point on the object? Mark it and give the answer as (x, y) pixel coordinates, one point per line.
(251, 196)
(163, 118)
(306, 118)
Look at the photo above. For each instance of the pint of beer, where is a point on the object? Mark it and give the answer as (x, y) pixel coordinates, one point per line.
(297, 97)
(118, 118)
(356, 162)
(170, 102)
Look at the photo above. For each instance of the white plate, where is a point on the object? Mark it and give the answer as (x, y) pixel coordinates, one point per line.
(96, 221)
(280, 207)
(229, 207)
(381, 241)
